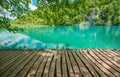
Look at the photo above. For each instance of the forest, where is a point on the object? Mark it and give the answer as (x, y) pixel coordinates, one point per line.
(73, 12)
(61, 12)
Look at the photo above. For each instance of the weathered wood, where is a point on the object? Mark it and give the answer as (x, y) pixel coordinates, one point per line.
(107, 64)
(6, 71)
(112, 53)
(13, 67)
(5, 64)
(93, 63)
(47, 67)
(52, 67)
(113, 64)
(41, 68)
(33, 69)
(92, 68)
(115, 52)
(69, 64)
(100, 64)
(60, 63)
(81, 66)
(22, 65)
(64, 66)
(4, 55)
(76, 70)
(115, 58)
(27, 67)
(9, 57)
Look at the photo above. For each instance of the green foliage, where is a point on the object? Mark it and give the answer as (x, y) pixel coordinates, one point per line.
(17, 8)
(65, 12)
(68, 12)
(5, 24)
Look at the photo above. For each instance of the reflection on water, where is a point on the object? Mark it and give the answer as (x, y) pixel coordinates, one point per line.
(20, 41)
(64, 36)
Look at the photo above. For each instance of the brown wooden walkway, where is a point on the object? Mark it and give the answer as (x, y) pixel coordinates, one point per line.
(62, 63)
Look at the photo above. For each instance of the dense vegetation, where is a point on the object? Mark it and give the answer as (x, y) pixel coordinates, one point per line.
(16, 8)
(73, 12)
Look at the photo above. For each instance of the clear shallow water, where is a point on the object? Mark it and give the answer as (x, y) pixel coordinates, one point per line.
(69, 37)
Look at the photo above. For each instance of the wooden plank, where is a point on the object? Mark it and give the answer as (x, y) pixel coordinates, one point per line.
(14, 65)
(52, 70)
(7, 63)
(64, 67)
(23, 72)
(93, 63)
(106, 53)
(22, 65)
(69, 64)
(77, 72)
(34, 69)
(59, 65)
(48, 64)
(114, 57)
(5, 53)
(111, 53)
(91, 67)
(8, 57)
(107, 64)
(81, 66)
(100, 64)
(114, 52)
(86, 63)
(5, 71)
(114, 63)
(41, 68)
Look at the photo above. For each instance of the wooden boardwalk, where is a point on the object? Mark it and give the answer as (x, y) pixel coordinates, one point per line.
(62, 63)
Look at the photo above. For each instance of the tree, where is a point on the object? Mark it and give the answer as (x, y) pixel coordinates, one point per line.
(72, 12)
(17, 8)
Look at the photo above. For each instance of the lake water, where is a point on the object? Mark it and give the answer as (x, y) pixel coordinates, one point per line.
(62, 37)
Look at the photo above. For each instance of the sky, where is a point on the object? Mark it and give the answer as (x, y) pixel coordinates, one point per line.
(33, 4)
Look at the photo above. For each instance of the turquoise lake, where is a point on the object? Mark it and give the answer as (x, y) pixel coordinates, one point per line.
(62, 37)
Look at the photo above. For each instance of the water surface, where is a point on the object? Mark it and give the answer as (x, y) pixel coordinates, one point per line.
(73, 36)
(78, 36)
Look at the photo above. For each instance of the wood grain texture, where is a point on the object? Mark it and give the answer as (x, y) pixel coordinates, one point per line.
(60, 63)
